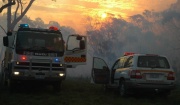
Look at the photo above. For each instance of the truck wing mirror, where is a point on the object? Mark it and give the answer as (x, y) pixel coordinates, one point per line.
(9, 33)
(82, 44)
(5, 41)
(79, 38)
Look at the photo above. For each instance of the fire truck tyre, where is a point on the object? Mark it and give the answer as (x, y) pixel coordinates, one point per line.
(57, 86)
(3, 82)
(122, 91)
(11, 85)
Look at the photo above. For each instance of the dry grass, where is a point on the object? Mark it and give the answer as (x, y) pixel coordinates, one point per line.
(78, 91)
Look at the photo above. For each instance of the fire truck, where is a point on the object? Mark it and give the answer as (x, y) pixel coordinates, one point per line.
(35, 54)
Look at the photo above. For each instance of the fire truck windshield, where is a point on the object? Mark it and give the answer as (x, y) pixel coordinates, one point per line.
(41, 42)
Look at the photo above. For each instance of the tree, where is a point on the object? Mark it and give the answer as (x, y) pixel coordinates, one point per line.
(11, 23)
(7, 5)
(20, 4)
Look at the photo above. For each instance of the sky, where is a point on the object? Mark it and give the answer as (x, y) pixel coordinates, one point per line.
(74, 12)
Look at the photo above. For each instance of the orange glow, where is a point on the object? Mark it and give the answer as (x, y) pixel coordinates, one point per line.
(104, 15)
(73, 13)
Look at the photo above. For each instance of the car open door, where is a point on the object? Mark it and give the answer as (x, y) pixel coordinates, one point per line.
(100, 71)
(76, 49)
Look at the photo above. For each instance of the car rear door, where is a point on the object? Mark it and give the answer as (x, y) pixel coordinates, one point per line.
(100, 71)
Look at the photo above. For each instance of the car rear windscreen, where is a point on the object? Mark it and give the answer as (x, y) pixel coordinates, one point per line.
(153, 62)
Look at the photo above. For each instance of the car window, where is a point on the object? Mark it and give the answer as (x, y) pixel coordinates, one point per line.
(116, 65)
(99, 63)
(153, 62)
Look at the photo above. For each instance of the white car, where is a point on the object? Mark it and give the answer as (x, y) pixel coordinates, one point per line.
(134, 72)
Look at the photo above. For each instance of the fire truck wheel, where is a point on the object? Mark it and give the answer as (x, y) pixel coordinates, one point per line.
(57, 86)
(11, 85)
(122, 91)
(3, 82)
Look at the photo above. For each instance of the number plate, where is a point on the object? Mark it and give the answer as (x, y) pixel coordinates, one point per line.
(154, 76)
(39, 76)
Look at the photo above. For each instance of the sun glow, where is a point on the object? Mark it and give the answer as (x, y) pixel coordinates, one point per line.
(103, 15)
(75, 13)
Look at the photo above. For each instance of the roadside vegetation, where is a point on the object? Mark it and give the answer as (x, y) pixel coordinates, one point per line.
(78, 91)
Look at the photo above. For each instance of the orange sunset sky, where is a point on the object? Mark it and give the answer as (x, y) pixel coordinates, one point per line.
(74, 12)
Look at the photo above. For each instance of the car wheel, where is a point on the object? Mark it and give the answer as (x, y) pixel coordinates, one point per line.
(122, 88)
(165, 94)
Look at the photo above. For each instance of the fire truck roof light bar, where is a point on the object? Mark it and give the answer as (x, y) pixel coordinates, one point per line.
(24, 26)
(53, 28)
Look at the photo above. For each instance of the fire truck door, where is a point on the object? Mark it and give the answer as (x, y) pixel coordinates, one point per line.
(76, 49)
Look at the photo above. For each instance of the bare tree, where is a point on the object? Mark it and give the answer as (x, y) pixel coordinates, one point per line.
(7, 5)
(20, 6)
(11, 23)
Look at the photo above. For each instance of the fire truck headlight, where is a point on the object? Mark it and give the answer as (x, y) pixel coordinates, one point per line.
(17, 63)
(16, 73)
(61, 74)
(61, 65)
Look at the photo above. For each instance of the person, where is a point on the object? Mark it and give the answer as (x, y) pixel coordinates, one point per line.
(56, 45)
(24, 44)
(49, 45)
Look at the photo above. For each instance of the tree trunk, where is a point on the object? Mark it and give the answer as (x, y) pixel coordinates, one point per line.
(9, 17)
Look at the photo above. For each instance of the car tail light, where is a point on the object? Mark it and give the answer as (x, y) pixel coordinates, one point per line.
(171, 76)
(136, 74)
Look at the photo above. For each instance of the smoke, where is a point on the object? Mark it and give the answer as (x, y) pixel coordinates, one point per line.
(150, 32)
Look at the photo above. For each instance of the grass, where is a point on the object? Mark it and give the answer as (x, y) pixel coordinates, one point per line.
(78, 91)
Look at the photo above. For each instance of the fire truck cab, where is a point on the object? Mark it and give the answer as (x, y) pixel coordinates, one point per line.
(34, 54)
